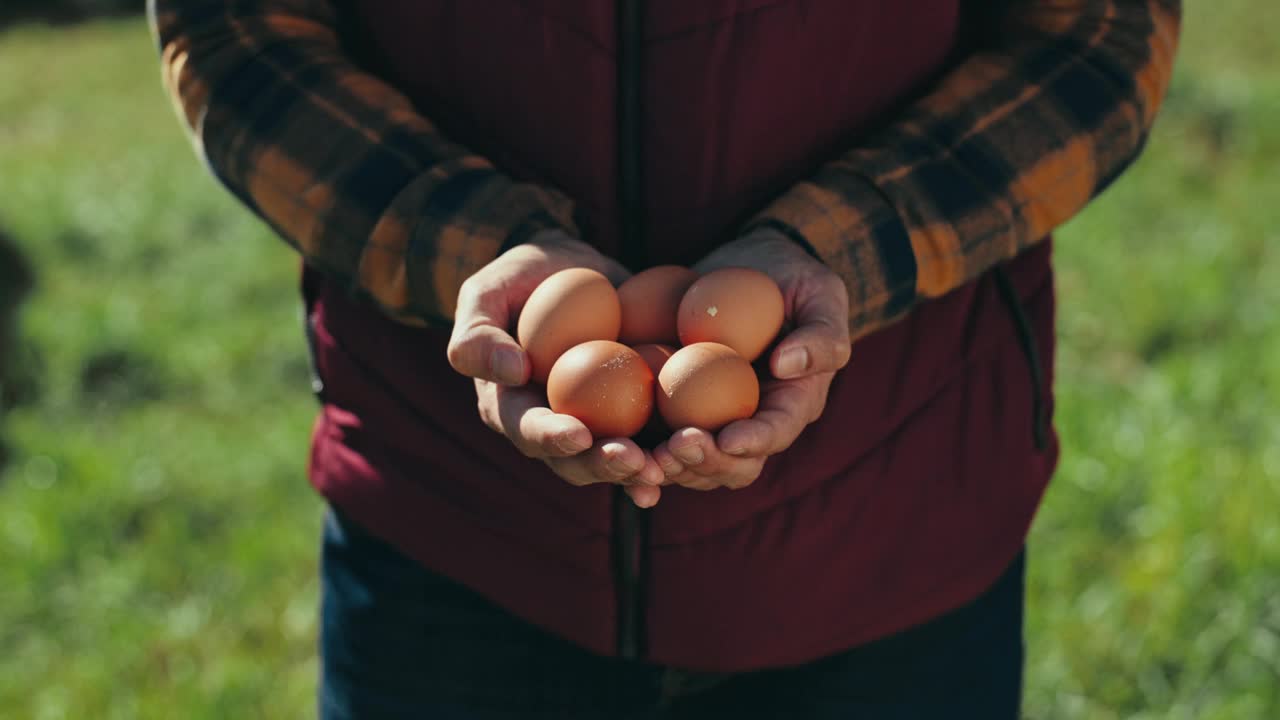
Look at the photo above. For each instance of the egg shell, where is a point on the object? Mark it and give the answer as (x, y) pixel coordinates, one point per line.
(708, 386)
(655, 356)
(569, 308)
(738, 307)
(606, 385)
(650, 301)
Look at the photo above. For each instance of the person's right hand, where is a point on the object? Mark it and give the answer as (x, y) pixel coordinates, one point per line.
(482, 347)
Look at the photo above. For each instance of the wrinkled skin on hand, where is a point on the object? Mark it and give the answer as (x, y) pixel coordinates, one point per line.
(802, 366)
(481, 347)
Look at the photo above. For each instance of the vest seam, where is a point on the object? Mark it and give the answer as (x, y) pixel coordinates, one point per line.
(733, 17)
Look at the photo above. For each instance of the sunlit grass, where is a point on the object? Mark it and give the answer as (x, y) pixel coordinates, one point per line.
(158, 539)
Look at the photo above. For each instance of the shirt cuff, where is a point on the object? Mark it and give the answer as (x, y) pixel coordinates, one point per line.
(850, 225)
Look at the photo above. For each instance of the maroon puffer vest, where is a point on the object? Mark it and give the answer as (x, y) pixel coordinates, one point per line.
(905, 500)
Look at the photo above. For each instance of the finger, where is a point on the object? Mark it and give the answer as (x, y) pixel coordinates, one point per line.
(671, 467)
(742, 474)
(691, 480)
(644, 496)
(651, 473)
(533, 428)
(690, 446)
(699, 483)
(486, 403)
(810, 349)
(617, 459)
(820, 342)
(786, 407)
(713, 467)
(610, 461)
(554, 435)
(480, 346)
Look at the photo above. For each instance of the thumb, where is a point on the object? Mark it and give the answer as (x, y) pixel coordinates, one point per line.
(809, 350)
(480, 347)
(820, 343)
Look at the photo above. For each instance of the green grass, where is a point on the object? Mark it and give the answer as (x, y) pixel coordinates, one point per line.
(157, 534)
(158, 538)
(1155, 588)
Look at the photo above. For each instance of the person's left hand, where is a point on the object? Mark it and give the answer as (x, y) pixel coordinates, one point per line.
(802, 366)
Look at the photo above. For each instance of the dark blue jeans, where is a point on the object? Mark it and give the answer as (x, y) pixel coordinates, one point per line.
(398, 641)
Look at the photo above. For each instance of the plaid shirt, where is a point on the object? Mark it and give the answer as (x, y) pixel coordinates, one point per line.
(1054, 103)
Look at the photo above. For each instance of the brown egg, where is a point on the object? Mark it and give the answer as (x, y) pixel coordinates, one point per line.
(650, 301)
(567, 309)
(606, 385)
(737, 307)
(708, 386)
(655, 356)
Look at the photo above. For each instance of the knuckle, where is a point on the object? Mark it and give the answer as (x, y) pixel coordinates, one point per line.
(836, 286)
(491, 297)
(745, 479)
(472, 285)
(837, 355)
(456, 353)
(464, 352)
(843, 351)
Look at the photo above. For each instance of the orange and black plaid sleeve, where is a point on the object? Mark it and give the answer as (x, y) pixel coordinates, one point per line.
(337, 161)
(1054, 103)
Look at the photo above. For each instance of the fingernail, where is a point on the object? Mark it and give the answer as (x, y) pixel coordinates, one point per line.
(616, 463)
(670, 468)
(793, 362)
(737, 451)
(507, 365)
(691, 455)
(649, 478)
(644, 502)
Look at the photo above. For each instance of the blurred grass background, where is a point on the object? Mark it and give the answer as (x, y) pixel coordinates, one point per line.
(158, 538)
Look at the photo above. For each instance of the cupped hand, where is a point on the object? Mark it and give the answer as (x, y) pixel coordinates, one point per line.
(482, 347)
(564, 444)
(802, 366)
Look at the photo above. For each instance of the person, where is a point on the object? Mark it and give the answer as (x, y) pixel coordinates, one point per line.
(856, 548)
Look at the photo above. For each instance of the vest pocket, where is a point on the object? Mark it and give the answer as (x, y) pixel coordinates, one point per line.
(1027, 340)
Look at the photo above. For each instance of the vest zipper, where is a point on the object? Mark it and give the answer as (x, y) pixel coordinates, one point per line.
(629, 524)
